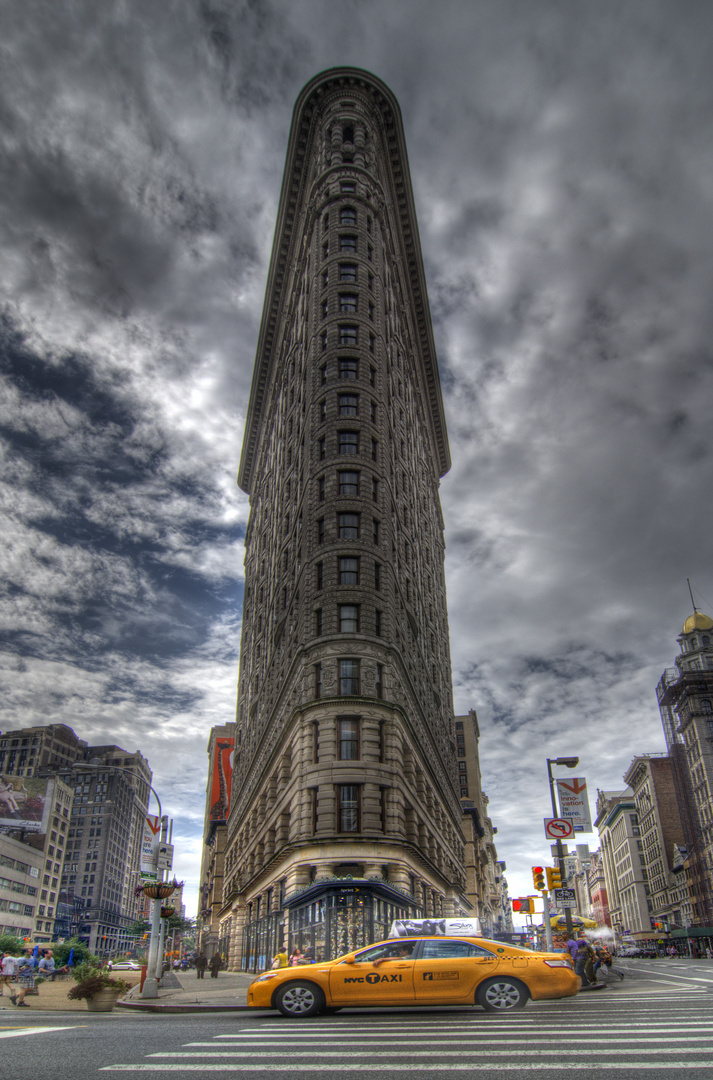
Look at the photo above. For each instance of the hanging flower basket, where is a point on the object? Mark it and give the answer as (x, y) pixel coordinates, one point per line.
(159, 890)
(167, 912)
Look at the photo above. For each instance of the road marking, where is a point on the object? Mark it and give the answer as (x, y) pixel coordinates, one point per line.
(520, 1067)
(482, 1052)
(35, 1030)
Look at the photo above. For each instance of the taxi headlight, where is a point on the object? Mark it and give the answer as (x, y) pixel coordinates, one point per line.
(266, 976)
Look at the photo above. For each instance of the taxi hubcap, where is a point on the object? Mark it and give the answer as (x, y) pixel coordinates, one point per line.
(298, 1000)
(502, 995)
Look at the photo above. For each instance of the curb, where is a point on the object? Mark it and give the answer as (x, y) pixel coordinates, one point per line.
(141, 1006)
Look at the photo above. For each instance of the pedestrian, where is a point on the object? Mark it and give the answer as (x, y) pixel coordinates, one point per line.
(215, 965)
(580, 949)
(9, 965)
(25, 980)
(309, 955)
(709, 953)
(296, 957)
(201, 965)
(280, 959)
(46, 965)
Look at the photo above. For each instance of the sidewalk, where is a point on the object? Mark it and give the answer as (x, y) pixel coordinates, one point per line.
(185, 992)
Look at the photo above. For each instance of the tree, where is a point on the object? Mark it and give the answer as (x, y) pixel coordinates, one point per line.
(62, 950)
(10, 943)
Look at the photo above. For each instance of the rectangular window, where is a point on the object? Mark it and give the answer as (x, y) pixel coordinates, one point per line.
(375, 530)
(348, 740)
(347, 272)
(348, 243)
(371, 316)
(321, 489)
(323, 339)
(348, 303)
(348, 678)
(348, 404)
(348, 187)
(325, 278)
(348, 803)
(318, 622)
(349, 335)
(348, 618)
(348, 369)
(323, 369)
(372, 411)
(372, 340)
(315, 808)
(322, 445)
(325, 249)
(382, 792)
(323, 409)
(347, 216)
(377, 623)
(348, 442)
(377, 575)
(374, 489)
(348, 571)
(320, 530)
(348, 525)
(348, 483)
(372, 376)
(325, 308)
(319, 575)
(374, 450)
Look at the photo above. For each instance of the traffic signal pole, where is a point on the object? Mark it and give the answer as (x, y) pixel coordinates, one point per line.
(546, 918)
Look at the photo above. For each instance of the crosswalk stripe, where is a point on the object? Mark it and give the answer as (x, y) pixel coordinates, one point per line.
(482, 1052)
(315, 1067)
(35, 1031)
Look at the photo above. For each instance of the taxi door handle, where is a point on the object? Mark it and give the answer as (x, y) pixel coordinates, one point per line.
(402, 965)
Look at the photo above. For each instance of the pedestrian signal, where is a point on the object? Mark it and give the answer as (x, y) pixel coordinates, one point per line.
(525, 905)
(554, 878)
(538, 878)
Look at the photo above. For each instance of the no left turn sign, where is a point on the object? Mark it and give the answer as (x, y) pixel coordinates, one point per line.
(557, 828)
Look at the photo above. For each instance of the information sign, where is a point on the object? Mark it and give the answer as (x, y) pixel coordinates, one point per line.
(574, 804)
(565, 898)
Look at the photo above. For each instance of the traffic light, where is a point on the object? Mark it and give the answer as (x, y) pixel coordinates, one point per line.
(524, 905)
(554, 878)
(538, 878)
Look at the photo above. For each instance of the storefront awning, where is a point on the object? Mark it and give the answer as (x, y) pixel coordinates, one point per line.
(372, 886)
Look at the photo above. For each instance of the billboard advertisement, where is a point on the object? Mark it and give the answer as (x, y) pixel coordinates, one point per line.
(24, 803)
(149, 845)
(574, 804)
(221, 779)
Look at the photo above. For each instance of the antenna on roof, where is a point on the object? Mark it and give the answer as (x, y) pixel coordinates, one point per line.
(695, 608)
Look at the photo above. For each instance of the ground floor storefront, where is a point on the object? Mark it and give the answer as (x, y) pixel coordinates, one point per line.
(328, 919)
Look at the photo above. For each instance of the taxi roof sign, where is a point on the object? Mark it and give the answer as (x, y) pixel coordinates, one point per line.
(435, 928)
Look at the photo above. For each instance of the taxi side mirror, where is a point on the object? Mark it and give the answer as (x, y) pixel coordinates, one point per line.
(350, 959)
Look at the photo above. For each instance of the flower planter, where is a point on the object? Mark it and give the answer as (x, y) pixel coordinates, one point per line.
(160, 890)
(104, 1001)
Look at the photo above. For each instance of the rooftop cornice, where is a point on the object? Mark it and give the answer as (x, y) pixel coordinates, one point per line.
(285, 249)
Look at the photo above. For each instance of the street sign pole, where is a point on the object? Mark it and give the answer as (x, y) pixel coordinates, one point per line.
(546, 917)
(560, 850)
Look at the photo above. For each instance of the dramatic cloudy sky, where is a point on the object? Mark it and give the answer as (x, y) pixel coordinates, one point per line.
(562, 160)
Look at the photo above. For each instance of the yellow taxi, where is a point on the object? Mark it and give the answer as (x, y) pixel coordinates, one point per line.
(419, 971)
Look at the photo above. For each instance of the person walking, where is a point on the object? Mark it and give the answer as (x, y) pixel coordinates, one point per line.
(46, 965)
(215, 965)
(9, 965)
(25, 980)
(579, 950)
(201, 965)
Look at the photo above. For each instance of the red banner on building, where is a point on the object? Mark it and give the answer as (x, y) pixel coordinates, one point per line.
(221, 779)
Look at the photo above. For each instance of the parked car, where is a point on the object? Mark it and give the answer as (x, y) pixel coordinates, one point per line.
(125, 965)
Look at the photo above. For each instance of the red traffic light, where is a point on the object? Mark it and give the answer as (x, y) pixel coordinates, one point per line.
(538, 869)
(517, 905)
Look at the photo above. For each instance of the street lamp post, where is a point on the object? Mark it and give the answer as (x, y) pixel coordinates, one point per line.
(150, 987)
(569, 763)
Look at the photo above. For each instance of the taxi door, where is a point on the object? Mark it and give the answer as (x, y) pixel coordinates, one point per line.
(372, 980)
(450, 970)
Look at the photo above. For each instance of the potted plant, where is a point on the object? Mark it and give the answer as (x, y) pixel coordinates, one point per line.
(97, 987)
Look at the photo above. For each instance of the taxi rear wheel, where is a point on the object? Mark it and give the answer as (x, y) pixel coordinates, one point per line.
(299, 999)
(502, 995)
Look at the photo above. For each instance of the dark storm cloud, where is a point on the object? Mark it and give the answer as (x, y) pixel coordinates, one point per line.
(561, 161)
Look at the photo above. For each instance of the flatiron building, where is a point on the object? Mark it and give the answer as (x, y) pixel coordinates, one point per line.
(345, 810)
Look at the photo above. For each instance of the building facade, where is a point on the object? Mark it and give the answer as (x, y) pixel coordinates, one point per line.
(346, 806)
(621, 850)
(221, 747)
(685, 697)
(486, 887)
(92, 860)
(650, 777)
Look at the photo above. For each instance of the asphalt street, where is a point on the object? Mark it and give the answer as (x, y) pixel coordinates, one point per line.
(658, 1021)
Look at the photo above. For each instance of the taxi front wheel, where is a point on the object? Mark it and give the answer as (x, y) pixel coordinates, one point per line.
(299, 999)
(502, 995)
